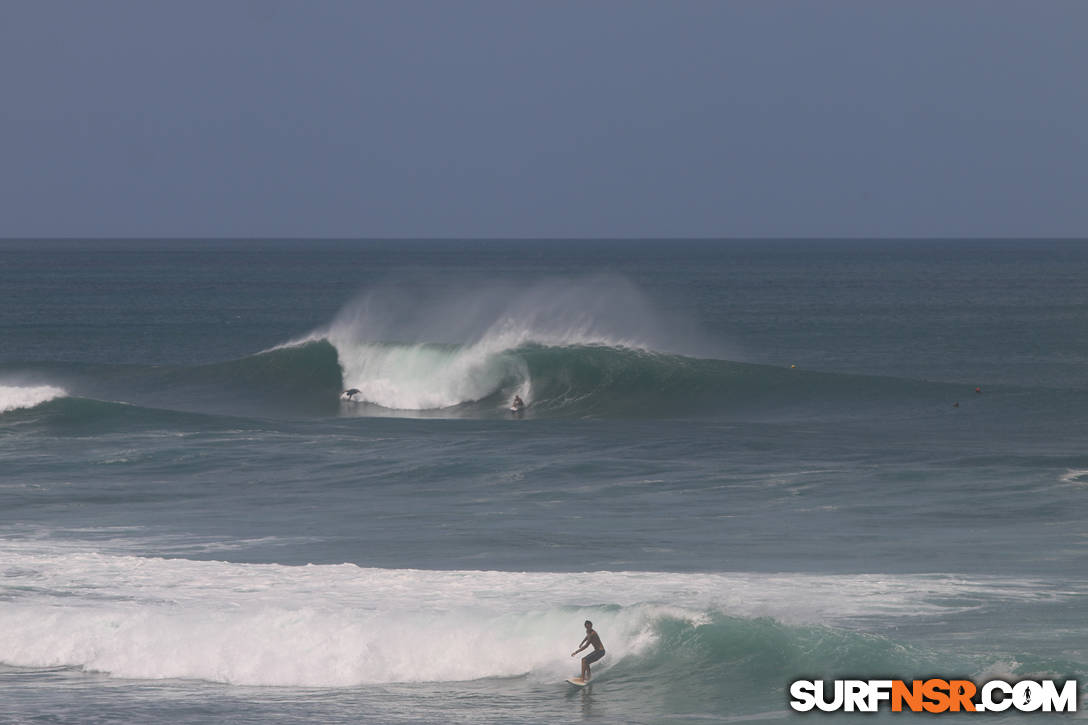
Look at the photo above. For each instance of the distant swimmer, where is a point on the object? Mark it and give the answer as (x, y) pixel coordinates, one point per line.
(978, 391)
(349, 394)
(598, 650)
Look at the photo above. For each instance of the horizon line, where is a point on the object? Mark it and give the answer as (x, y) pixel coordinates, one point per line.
(259, 238)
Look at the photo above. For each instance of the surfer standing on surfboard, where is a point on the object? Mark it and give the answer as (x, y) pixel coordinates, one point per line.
(598, 650)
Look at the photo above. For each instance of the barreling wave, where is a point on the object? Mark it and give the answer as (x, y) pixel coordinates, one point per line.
(569, 348)
(566, 380)
(583, 348)
(432, 376)
(577, 380)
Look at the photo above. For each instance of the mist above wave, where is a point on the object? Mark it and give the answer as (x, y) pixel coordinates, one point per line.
(432, 346)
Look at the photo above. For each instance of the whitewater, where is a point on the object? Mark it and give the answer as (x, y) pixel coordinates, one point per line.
(462, 346)
(343, 626)
(14, 397)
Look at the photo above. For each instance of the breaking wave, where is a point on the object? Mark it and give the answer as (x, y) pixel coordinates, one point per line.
(16, 397)
(342, 625)
(603, 380)
(584, 347)
(590, 347)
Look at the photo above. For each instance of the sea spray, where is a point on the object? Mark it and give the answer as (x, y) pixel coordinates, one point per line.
(15, 397)
(598, 309)
(414, 346)
(427, 376)
(572, 347)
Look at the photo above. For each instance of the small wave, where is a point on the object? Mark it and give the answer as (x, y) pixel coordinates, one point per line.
(1078, 476)
(303, 378)
(76, 415)
(14, 397)
(342, 625)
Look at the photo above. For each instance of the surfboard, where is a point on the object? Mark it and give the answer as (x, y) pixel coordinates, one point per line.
(577, 681)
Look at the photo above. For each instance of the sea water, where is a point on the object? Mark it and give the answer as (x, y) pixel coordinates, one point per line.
(746, 462)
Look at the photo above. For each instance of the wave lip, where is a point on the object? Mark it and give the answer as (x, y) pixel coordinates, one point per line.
(15, 397)
(605, 379)
(440, 345)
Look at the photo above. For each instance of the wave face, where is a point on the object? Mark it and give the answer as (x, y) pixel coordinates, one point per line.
(303, 379)
(297, 377)
(587, 347)
(342, 625)
(575, 380)
(470, 380)
(569, 348)
(447, 348)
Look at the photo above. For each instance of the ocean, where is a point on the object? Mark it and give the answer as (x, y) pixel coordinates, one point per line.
(747, 462)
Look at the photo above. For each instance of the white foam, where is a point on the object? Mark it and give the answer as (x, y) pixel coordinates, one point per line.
(345, 625)
(304, 626)
(457, 346)
(1078, 476)
(426, 377)
(13, 397)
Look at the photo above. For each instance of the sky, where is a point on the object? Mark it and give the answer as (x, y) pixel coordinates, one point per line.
(557, 118)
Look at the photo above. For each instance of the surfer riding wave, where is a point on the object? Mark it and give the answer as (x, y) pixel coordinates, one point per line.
(591, 638)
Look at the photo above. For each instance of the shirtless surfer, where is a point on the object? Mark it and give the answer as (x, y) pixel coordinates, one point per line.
(598, 650)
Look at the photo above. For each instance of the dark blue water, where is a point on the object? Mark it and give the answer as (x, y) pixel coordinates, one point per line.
(747, 462)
